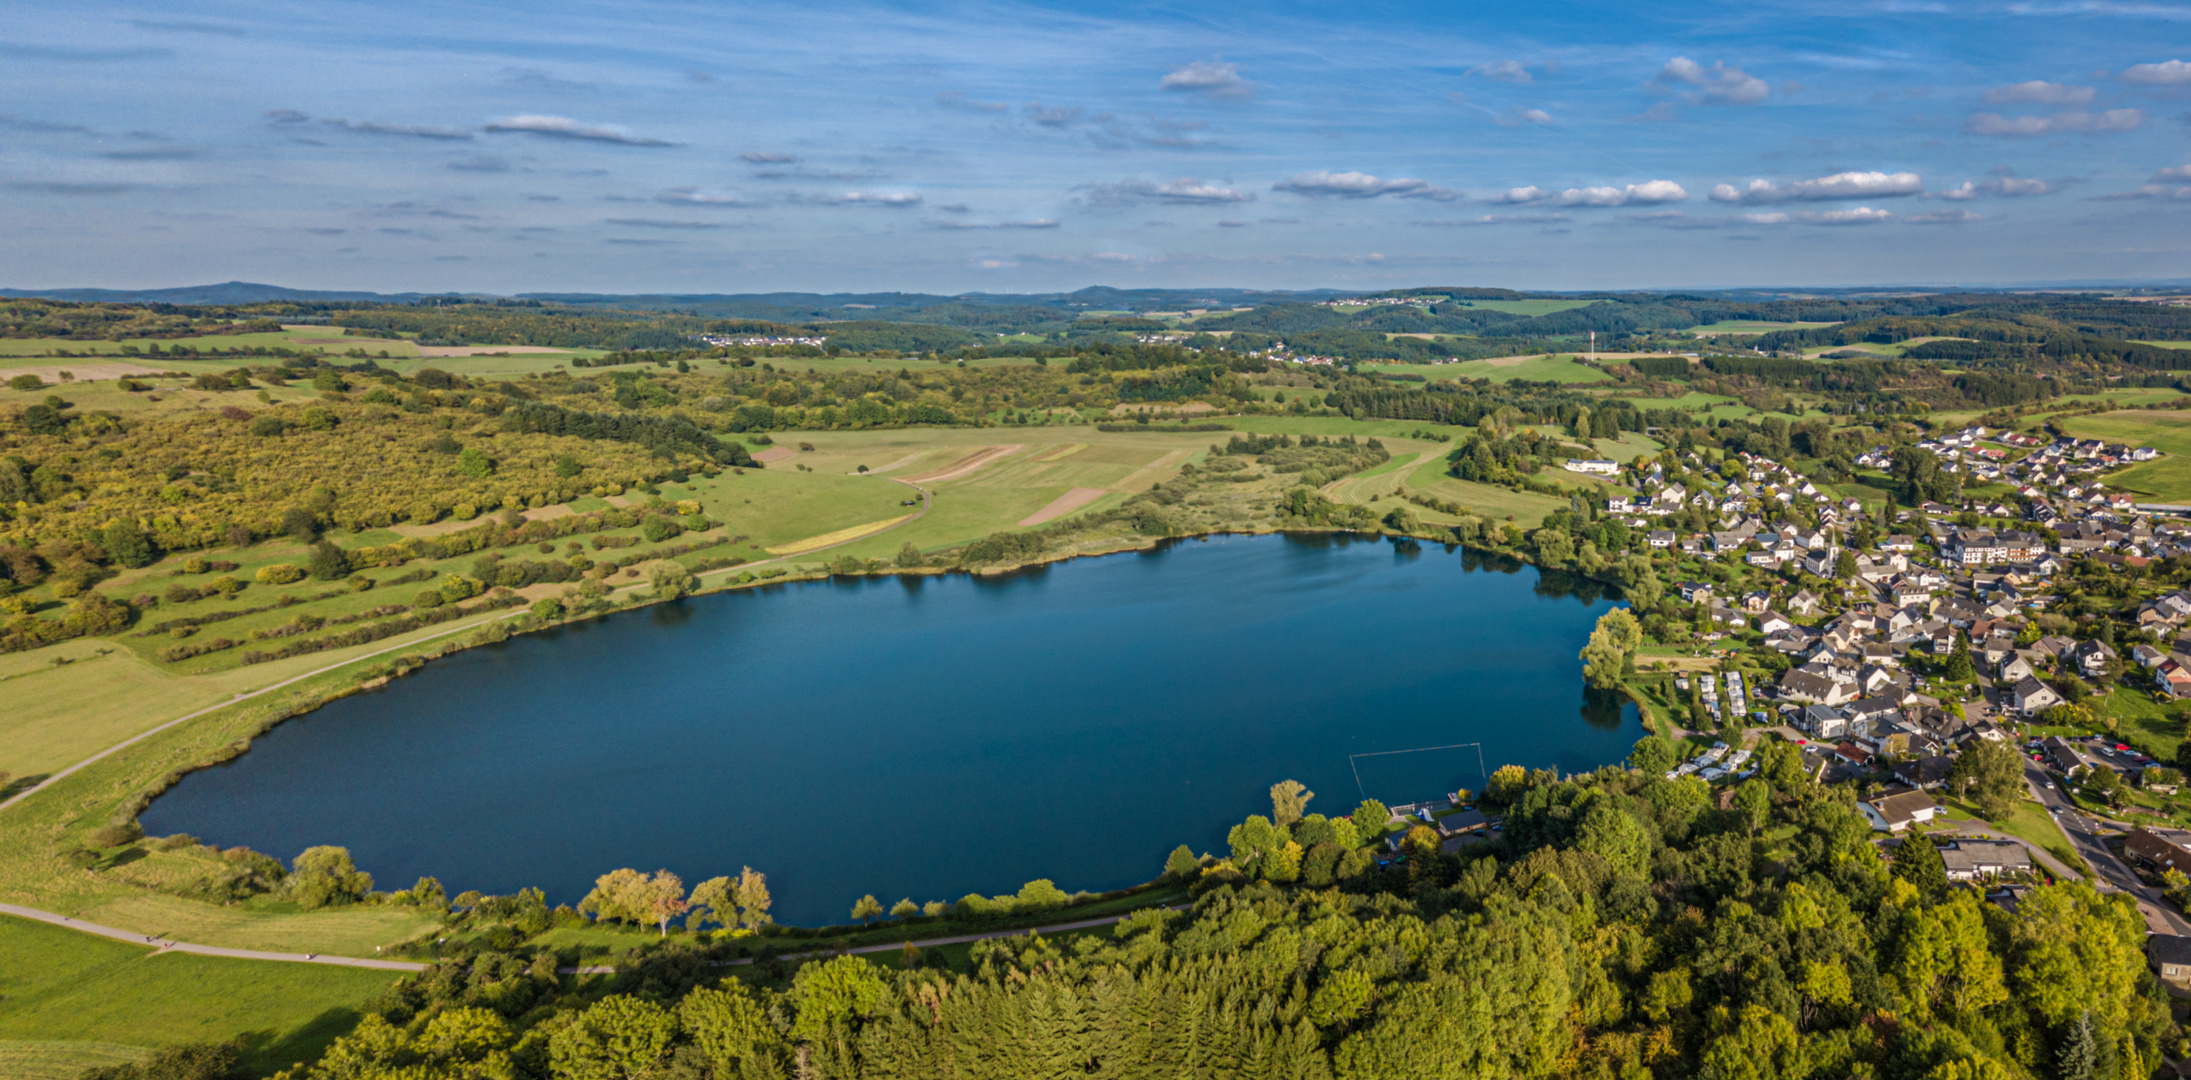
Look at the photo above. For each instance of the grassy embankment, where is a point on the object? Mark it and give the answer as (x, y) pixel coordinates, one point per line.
(69, 1001)
(2167, 479)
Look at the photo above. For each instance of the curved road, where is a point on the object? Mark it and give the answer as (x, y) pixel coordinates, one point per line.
(2083, 835)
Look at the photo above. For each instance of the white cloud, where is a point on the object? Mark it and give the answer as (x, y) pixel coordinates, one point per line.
(2161, 187)
(1513, 71)
(881, 198)
(2017, 186)
(2165, 73)
(1038, 223)
(2039, 92)
(1648, 193)
(1499, 219)
(2060, 123)
(1185, 191)
(2008, 186)
(1525, 116)
(692, 196)
(1717, 85)
(1942, 217)
(766, 157)
(1767, 219)
(1361, 185)
(1208, 78)
(563, 127)
(1862, 215)
(1844, 185)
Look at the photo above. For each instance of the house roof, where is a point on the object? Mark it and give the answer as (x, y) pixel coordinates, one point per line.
(1903, 806)
(2168, 949)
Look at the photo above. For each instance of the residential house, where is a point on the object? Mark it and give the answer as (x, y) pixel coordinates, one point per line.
(2160, 849)
(1970, 859)
(2093, 656)
(2170, 955)
(1804, 602)
(2032, 697)
(1824, 722)
(1892, 813)
(1924, 773)
(1773, 622)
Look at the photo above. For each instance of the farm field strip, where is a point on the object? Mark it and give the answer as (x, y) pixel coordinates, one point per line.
(969, 464)
(829, 539)
(1064, 504)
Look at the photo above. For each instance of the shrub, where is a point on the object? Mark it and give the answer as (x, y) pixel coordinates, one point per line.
(226, 585)
(428, 598)
(25, 382)
(658, 528)
(268, 426)
(112, 836)
(548, 608)
(458, 587)
(279, 574)
(328, 562)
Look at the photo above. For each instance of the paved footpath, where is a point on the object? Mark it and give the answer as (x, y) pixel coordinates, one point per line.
(166, 946)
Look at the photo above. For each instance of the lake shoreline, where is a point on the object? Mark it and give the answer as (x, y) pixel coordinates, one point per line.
(414, 662)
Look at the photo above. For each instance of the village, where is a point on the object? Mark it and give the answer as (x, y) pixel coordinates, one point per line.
(1886, 644)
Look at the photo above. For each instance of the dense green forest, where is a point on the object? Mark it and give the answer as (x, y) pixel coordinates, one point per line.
(1623, 925)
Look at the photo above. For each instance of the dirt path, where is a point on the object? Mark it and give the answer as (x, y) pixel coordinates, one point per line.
(898, 464)
(775, 454)
(1064, 504)
(164, 945)
(161, 942)
(968, 465)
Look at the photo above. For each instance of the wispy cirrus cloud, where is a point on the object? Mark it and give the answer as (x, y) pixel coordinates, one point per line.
(2024, 127)
(693, 196)
(563, 127)
(953, 99)
(768, 157)
(1943, 217)
(1648, 193)
(1512, 71)
(1361, 185)
(1496, 219)
(415, 131)
(1184, 191)
(1209, 78)
(1843, 185)
(1720, 84)
(665, 223)
(2039, 92)
(961, 226)
(69, 187)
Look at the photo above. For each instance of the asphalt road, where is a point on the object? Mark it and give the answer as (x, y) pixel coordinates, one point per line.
(2083, 834)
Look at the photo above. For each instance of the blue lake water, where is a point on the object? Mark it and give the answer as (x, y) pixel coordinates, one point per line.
(930, 737)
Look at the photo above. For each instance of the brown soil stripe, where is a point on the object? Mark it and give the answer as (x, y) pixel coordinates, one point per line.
(1063, 505)
(966, 466)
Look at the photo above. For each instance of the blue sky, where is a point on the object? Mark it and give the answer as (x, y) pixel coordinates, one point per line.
(714, 147)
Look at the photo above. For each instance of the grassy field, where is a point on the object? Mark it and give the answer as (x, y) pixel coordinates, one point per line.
(77, 1000)
(1528, 308)
(1562, 369)
(1528, 509)
(2165, 480)
(1751, 326)
(2168, 344)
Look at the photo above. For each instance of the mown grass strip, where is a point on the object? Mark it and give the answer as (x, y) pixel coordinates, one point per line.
(840, 536)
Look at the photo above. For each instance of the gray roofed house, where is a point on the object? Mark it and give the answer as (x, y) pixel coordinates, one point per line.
(2031, 697)
(1969, 860)
(2170, 955)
